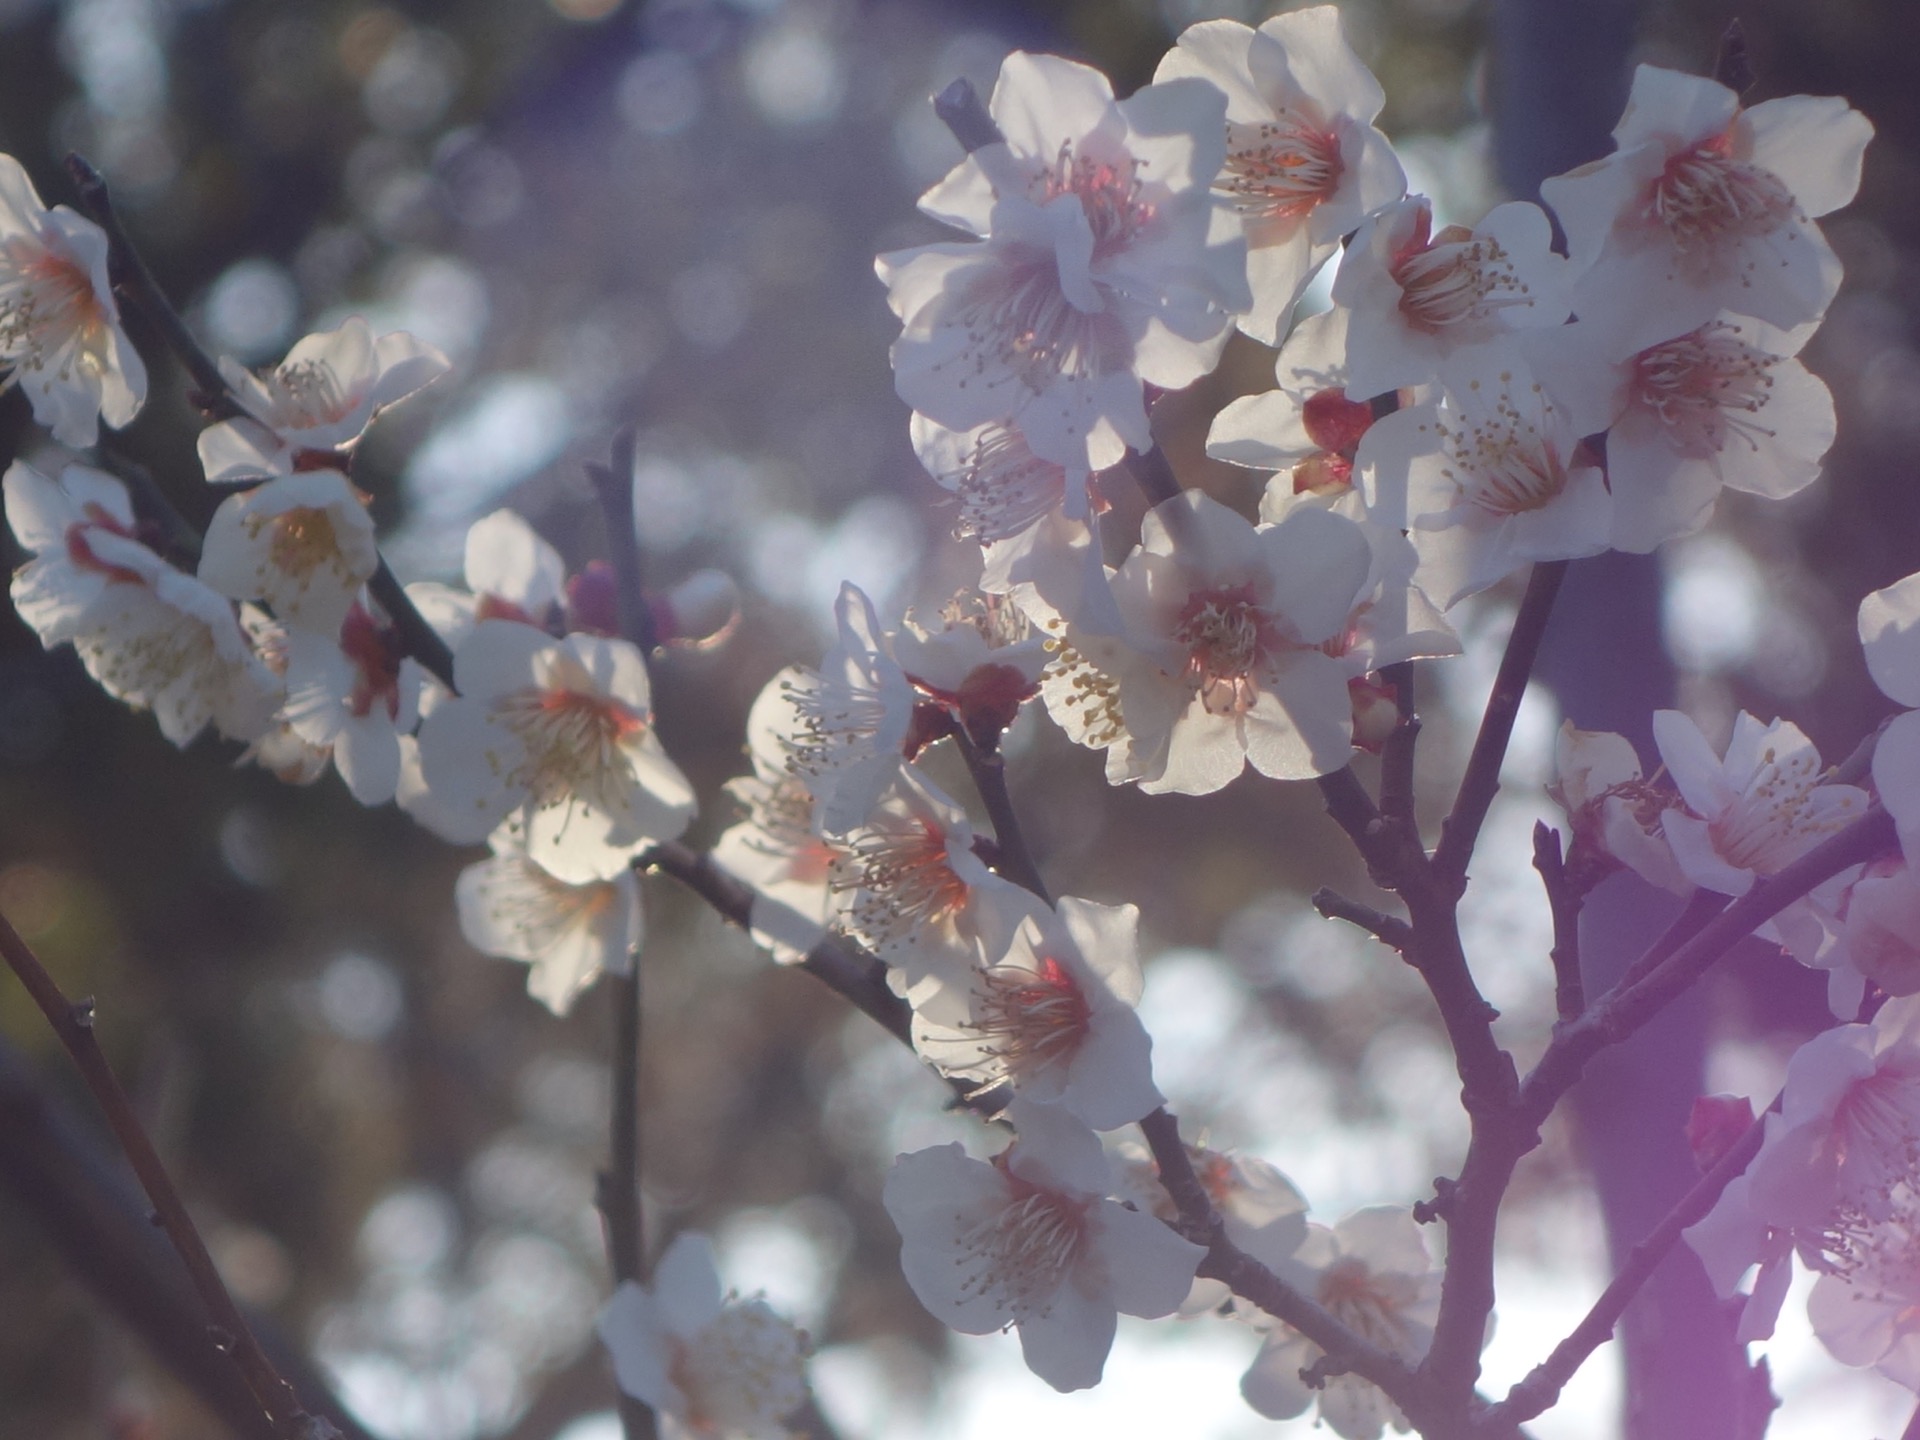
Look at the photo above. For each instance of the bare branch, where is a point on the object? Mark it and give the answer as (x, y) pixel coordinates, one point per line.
(1389, 930)
(1481, 782)
(1542, 1386)
(1569, 989)
(229, 1332)
(961, 111)
(989, 771)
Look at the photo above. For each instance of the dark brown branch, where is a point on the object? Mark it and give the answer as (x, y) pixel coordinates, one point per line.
(840, 965)
(1542, 1386)
(961, 111)
(1701, 907)
(1481, 783)
(103, 1229)
(136, 279)
(1733, 66)
(1396, 754)
(421, 640)
(1626, 1009)
(229, 1333)
(1153, 475)
(1251, 1280)
(989, 771)
(1569, 989)
(1389, 930)
(613, 486)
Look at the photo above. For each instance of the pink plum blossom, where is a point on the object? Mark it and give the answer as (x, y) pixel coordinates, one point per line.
(1889, 626)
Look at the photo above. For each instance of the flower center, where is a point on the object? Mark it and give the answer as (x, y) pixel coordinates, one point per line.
(1281, 168)
(1019, 313)
(901, 877)
(1029, 1019)
(1109, 193)
(1774, 821)
(1504, 463)
(50, 309)
(1705, 199)
(574, 741)
(742, 1374)
(303, 540)
(307, 394)
(1226, 635)
(1004, 488)
(1369, 1304)
(835, 724)
(1706, 386)
(1022, 1252)
(1455, 278)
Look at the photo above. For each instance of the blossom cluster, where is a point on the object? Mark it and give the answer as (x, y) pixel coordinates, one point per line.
(1474, 400)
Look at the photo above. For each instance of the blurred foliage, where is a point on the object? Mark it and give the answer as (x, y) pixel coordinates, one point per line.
(664, 214)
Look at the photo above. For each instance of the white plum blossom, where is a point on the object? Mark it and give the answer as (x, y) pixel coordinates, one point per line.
(1308, 429)
(1889, 627)
(775, 849)
(908, 885)
(852, 719)
(1054, 1016)
(1724, 403)
(979, 662)
(1372, 1271)
(321, 398)
(1754, 810)
(1865, 1304)
(1304, 164)
(511, 574)
(712, 1366)
(1222, 662)
(1100, 268)
(57, 521)
(1421, 301)
(566, 934)
(559, 735)
(1705, 206)
(151, 636)
(354, 696)
(1613, 811)
(1031, 1240)
(1491, 478)
(1879, 927)
(302, 544)
(60, 334)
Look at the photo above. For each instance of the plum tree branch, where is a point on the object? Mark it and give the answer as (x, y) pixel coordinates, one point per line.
(229, 1333)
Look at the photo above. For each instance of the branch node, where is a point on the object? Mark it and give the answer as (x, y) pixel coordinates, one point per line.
(1445, 1191)
(81, 1013)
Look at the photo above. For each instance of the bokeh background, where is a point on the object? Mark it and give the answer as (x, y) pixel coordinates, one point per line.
(663, 215)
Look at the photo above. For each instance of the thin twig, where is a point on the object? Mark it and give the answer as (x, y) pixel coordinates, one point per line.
(988, 767)
(421, 640)
(1389, 930)
(1481, 783)
(1252, 1281)
(1542, 1386)
(1858, 765)
(1565, 902)
(1626, 1008)
(229, 1331)
(961, 111)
